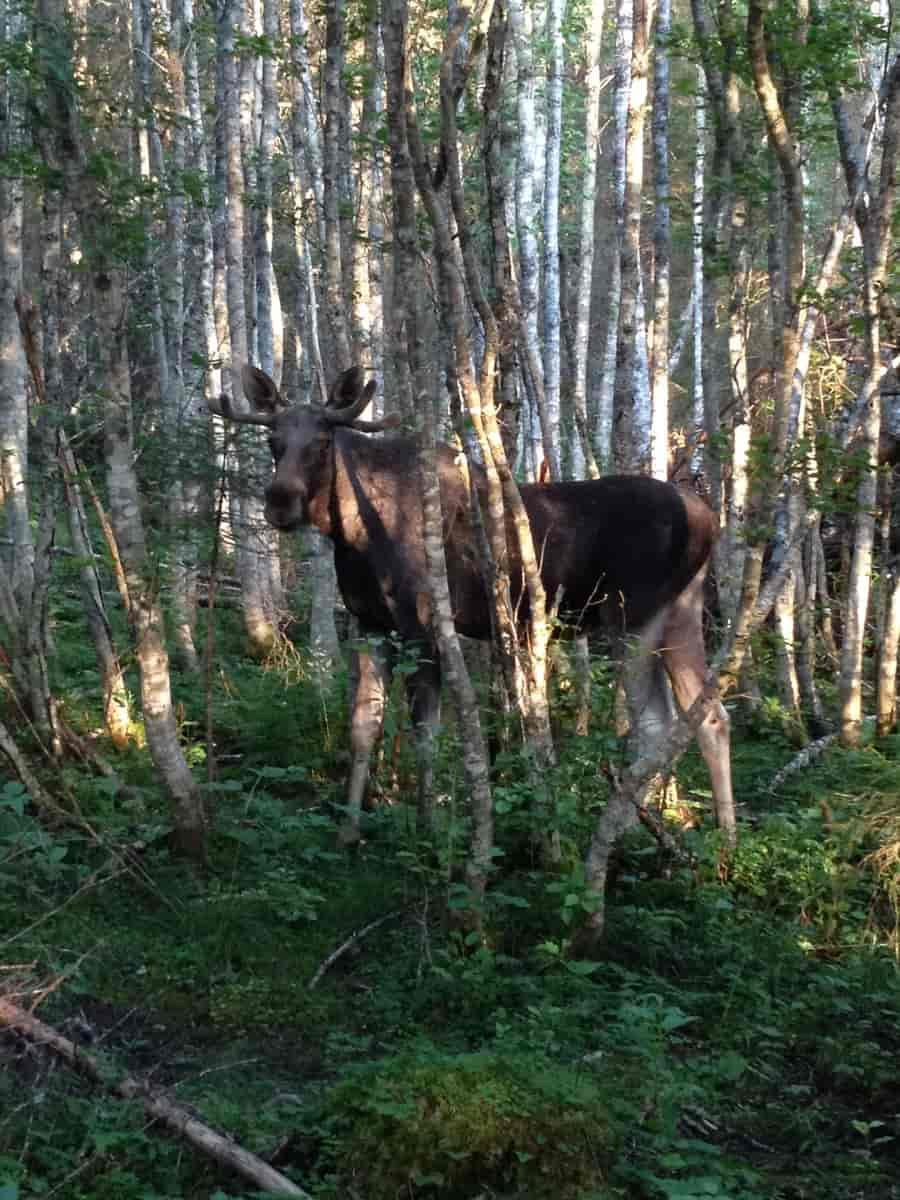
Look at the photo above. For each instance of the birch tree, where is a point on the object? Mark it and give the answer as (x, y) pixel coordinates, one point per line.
(632, 433)
(550, 285)
(621, 91)
(662, 245)
(876, 247)
(528, 208)
(67, 156)
(257, 564)
(270, 327)
(16, 546)
(406, 141)
(582, 453)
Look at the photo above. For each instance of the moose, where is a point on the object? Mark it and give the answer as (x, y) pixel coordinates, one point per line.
(624, 553)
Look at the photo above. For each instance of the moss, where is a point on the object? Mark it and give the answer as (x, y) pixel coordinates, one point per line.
(467, 1125)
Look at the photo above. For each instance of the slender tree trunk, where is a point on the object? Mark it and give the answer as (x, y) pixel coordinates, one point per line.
(582, 453)
(270, 325)
(306, 175)
(145, 612)
(551, 289)
(876, 246)
(528, 208)
(180, 422)
(889, 644)
(16, 549)
(697, 242)
(662, 247)
(476, 761)
(335, 302)
(607, 431)
(255, 542)
(632, 432)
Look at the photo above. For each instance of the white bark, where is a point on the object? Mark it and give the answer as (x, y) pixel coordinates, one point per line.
(697, 210)
(662, 239)
(110, 307)
(17, 549)
(308, 198)
(256, 557)
(632, 399)
(521, 25)
(270, 325)
(335, 301)
(582, 456)
(876, 246)
(621, 91)
(550, 289)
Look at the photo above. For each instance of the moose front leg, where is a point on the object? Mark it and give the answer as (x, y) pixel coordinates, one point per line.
(424, 695)
(371, 676)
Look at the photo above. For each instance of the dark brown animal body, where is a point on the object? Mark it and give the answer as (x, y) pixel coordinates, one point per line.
(627, 554)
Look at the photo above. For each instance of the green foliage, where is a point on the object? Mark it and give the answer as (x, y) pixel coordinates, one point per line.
(436, 1124)
(736, 1038)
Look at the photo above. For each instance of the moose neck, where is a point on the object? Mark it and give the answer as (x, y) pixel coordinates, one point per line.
(320, 505)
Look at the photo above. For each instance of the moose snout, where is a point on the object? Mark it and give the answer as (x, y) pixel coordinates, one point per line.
(285, 505)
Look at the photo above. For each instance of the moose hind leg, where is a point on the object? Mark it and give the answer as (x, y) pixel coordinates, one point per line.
(685, 659)
(371, 671)
(650, 714)
(424, 694)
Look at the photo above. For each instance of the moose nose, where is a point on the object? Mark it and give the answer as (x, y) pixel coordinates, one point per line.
(285, 505)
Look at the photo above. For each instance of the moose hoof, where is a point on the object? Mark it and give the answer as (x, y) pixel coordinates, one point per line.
(348, 836)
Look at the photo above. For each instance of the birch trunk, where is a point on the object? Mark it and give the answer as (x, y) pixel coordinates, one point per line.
(551, 288)
(582, 453)
(662, 248)
(270, 325)
(306, 180)
(335, 302)
(697, 242)
(180, 421)
(256, 562)
(876, 246)
(632, 434)
(528, 678)
(56, 290)
(16, 548)
(889, 644)
(145, 612)
(622, 87)
(521, 24)
(476, 761)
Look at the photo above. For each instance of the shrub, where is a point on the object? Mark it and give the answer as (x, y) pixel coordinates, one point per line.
(471, 1124)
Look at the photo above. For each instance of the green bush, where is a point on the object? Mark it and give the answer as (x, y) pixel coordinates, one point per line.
(471, 1124)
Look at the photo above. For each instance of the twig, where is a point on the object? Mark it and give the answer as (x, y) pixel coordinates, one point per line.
(95, 879)
(156, 1105)
(807, 755)
(351, 941)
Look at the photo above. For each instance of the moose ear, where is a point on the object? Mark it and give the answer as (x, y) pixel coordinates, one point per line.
(346, 388)
(260, 390)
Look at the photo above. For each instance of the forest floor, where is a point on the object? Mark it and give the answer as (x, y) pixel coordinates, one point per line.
(738, 1036)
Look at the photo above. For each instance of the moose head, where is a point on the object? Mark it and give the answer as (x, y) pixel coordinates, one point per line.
(300, 437)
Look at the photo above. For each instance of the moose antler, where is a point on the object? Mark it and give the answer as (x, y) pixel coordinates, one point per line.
(222, 408)
(349, 387)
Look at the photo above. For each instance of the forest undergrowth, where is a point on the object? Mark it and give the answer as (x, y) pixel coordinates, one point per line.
(738, 1037)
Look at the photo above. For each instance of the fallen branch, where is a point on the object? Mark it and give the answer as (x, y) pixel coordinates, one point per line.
(351, 941)
(156, 1105)
(807, 755)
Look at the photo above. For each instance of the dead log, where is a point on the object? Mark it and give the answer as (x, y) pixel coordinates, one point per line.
(177, 1119)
